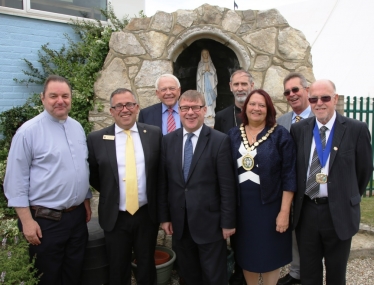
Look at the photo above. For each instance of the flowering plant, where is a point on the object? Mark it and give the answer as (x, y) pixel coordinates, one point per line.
(15, 265)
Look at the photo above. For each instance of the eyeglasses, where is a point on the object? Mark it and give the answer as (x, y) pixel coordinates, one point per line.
(293, 89)
(128, 105)
(194, 108)
(324, 99)
(171, 89)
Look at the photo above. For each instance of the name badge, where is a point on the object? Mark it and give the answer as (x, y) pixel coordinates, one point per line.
(108, 138)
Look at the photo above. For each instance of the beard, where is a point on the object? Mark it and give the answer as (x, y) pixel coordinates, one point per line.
(240, 99)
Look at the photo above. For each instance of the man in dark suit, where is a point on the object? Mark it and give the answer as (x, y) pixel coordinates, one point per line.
(331, 181)
(165, 114)
(124, 160)
(296, 92)
(241, 84)
(196, 199)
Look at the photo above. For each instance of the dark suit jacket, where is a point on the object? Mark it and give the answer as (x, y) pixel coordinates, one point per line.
(151, 115)
(104, 171)
(208, 196)
(225, 120)
(350, 169)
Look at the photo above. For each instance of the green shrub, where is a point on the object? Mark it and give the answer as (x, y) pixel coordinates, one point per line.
(15, 265)
(80, 62)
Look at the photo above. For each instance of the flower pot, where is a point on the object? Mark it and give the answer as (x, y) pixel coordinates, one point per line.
(161, 257)
(163, 270)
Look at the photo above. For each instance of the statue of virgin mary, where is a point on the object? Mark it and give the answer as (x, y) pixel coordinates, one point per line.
(206, 82)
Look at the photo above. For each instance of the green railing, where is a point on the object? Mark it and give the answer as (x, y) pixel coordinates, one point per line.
(362, 109)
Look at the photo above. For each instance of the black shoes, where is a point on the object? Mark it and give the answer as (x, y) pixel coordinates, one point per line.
(288, 280)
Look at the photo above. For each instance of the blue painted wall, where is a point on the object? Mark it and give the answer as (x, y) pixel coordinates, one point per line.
(22, 37)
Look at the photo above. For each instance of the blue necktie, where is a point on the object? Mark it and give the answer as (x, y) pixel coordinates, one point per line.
(188, 153)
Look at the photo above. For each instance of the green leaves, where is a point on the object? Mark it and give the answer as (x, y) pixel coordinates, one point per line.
(80, 62)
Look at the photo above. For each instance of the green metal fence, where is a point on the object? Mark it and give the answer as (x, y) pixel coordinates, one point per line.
(362, 109)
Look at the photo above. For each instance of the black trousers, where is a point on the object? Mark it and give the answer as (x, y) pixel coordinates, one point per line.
(60, 255)
(132, 232)
(201, 264)
(317, 239)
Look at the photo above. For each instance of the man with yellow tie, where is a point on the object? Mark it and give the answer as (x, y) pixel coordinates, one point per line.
(123, 160)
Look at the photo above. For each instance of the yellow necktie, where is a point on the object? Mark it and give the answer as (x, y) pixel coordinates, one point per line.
(131, 180)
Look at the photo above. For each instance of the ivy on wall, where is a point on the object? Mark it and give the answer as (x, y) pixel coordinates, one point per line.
(80, 62)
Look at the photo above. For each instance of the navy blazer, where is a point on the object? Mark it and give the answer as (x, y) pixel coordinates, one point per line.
(276, 160)
(151, 115)
(208, 195)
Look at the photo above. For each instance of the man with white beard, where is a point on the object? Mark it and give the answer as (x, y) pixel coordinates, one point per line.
(241, 84)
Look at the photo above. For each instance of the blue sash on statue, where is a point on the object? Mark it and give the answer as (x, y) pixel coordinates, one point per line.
(210, 95)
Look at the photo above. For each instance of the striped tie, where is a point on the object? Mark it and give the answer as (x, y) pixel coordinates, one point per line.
(312, 187)
(298, 119)
(171, 121)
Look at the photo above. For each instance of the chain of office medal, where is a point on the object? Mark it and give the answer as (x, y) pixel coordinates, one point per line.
(257, 143)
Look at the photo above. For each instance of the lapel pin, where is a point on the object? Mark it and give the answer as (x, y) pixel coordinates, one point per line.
(335, 148)
(145, 131)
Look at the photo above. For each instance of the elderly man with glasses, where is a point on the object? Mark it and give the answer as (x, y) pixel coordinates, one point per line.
(334, 163)
(164, 114)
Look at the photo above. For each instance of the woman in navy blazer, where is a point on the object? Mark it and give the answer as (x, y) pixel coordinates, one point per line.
(264, 155)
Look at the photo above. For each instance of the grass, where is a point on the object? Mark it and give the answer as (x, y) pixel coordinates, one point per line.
(367, 211)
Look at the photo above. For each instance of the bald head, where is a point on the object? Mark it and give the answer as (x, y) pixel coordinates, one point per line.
(325, 82)
(323, 95)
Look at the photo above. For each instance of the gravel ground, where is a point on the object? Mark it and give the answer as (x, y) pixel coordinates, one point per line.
(360, 272)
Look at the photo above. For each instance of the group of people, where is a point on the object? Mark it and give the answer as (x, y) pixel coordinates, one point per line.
(251, 178)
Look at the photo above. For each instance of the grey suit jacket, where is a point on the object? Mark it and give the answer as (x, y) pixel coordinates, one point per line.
(286, 119)
(350, 169)
(102, 161)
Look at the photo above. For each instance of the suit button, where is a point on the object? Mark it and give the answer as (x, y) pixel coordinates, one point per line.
(182, 208)
(185, 190)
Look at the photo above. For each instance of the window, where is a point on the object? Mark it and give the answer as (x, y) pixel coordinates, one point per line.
(77, 8)
(17, 4)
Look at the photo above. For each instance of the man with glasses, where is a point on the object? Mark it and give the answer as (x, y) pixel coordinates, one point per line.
(334, 163)
(296, 92)
(196, 199)
(124, 161)
(165, 114)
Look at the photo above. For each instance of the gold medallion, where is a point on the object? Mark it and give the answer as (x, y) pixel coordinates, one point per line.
(248, 162)
(321, 178)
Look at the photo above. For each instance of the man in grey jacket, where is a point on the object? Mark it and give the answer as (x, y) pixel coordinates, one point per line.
(296, 92)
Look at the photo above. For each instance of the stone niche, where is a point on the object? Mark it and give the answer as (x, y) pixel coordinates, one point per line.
(261, 42)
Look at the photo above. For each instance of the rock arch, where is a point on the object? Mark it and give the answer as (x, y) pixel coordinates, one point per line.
(262, 41)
